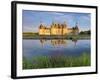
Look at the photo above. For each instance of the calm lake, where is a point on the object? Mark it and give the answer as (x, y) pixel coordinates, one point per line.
(33, 48)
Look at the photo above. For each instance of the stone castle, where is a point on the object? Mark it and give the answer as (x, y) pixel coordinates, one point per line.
(58, 29)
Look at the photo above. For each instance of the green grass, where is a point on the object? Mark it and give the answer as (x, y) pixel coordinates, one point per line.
(70, 37)
(58, 61)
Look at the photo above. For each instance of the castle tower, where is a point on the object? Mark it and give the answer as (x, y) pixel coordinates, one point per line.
(41, 29)
(65, 24)
(76, 28)
(65, 30)
(53, 29)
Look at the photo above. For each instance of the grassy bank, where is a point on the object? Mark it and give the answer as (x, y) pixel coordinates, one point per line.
(58, 61)
(56, 37)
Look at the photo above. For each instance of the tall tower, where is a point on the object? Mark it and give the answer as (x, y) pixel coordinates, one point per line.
(76, 28)
(76, 24)
(41, 29)
(65, 24)
(64, 30)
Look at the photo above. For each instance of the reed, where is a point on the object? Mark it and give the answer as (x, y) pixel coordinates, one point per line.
(58, 61)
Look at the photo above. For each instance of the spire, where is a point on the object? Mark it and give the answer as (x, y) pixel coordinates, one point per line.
(65, 25)
(41, 24)
(76, 23)
(53, 23)
(76, 26)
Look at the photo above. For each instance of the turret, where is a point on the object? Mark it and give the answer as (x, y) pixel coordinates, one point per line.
(76, 26)
(41, 26)
(65, 25)
(76, 29)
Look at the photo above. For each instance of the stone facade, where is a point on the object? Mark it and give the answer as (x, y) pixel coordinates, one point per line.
(57, 29)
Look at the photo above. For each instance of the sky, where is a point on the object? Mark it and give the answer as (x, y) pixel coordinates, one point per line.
(32, 19)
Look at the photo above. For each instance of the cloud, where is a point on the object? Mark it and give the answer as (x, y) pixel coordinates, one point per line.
(57, 14)
(30, 29)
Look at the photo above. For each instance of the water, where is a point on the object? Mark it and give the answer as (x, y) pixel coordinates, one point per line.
(33, 48)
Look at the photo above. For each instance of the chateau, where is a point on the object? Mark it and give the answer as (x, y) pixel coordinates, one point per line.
(58, 29)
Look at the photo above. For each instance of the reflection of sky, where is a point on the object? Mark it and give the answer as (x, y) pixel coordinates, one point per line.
(33, 48)
(32, 19)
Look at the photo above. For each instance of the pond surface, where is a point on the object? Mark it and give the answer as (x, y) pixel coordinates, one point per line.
(33, 48)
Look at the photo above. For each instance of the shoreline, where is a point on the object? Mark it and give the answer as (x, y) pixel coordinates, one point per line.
(78, 37)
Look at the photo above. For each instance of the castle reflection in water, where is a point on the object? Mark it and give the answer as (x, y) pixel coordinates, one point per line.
(57, 42)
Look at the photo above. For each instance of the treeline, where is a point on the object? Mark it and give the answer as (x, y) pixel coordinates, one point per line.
(85, 32)
(29, 33)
